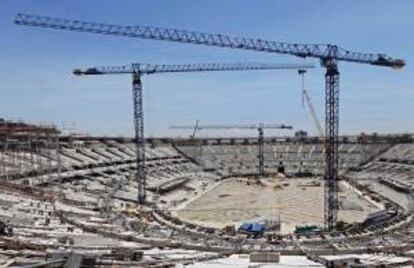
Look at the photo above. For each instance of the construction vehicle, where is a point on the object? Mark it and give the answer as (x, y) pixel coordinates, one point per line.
(308, 230)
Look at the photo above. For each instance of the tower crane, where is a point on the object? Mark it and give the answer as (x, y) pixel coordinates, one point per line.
(306, 99)
(329, 55)
(138, 69)
(260, 140)
(195, 128)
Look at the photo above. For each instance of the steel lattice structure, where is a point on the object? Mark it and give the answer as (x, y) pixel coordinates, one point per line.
(139, 69)
(321, 51)
(328, 54)
(141, 172)
(331, 145)
(145, 68)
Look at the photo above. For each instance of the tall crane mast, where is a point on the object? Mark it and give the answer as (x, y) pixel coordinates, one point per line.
(328, 54)
(138, 69)
(260, 139)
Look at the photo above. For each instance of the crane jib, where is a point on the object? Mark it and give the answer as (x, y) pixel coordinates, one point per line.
(202, 67)
(321, 51)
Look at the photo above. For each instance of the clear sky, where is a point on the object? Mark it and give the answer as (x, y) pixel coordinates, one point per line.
(37, 84)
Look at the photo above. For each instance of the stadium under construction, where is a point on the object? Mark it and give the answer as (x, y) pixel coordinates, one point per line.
(291, 200)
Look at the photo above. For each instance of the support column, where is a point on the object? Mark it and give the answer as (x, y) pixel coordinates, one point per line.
(261, 152)
(140, 174)
(332, 141)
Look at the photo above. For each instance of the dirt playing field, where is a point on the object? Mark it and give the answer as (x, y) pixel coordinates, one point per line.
(295, 201)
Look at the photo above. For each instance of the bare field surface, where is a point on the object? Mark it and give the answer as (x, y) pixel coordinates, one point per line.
(294, 201)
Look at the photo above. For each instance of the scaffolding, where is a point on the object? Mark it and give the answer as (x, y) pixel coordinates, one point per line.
(28, 152)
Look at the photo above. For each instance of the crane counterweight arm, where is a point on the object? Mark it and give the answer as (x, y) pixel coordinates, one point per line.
(320, 51)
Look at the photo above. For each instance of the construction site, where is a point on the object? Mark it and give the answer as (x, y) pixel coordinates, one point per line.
(295, 200)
